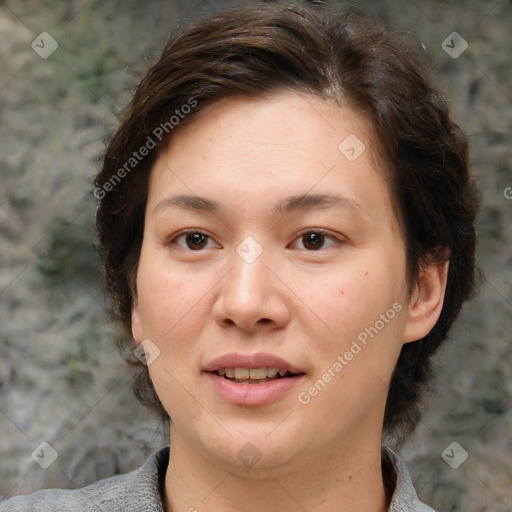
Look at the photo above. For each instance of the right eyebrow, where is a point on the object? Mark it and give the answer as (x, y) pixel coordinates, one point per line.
(189, 202)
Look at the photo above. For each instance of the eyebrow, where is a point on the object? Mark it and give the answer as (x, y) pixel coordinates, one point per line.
(314, 201)
(287, 205)
(188, 202)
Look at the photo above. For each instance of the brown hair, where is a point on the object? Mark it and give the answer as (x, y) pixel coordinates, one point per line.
(266, 48)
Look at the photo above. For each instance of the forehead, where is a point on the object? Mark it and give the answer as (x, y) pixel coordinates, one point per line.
(286, 121)
(261, 148)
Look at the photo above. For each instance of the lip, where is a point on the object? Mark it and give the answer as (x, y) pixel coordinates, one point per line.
(252, 394)
(258, 360)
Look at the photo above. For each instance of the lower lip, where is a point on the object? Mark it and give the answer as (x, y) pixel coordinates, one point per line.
(253, 394)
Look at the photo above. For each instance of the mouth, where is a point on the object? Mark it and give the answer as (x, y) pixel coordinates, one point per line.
(252, 379)
(255, 375)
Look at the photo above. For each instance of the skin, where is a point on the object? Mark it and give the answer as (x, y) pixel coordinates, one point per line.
(304, 305)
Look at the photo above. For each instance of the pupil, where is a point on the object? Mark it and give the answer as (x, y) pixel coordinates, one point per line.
(196, 240)
(315, 240)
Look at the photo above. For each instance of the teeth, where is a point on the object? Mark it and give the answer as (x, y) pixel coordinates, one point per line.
(272, 372)
(242, 373)
(258, 373)
(251, 373)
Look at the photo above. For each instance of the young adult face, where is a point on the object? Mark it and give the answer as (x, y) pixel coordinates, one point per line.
(265, 276)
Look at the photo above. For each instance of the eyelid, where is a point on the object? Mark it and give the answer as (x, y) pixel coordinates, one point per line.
(327, 234)
(337, 238)
(172, 239)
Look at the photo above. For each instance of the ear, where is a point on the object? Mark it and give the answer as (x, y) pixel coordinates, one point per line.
(426, 301)
(136, 322)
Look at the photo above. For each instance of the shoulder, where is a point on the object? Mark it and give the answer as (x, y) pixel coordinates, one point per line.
(404, 498)
(132, 492)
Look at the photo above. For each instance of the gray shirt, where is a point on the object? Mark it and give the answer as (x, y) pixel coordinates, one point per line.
(140, 491)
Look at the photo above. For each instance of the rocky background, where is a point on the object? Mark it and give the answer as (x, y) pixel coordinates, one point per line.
(62, 380)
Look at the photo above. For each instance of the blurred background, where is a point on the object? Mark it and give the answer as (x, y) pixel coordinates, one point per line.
(62, 379)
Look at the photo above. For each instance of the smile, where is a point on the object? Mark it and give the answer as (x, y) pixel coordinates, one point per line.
(271, 378)
(253, 375)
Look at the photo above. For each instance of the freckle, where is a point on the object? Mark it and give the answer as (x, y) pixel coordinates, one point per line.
(342, 292)
(366, 273)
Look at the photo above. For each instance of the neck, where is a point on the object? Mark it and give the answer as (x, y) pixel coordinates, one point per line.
(338, 481)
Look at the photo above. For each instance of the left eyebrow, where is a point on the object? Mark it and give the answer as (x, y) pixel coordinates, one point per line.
(314, 201)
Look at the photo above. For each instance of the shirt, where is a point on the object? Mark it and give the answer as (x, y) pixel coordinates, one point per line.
(141, 491)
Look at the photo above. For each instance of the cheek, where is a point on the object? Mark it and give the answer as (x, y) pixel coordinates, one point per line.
(354, 367)
(169, 301)
(347, 299)
(171, 310)
(361, 310)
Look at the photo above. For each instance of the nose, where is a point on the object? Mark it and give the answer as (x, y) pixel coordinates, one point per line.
(252, 296)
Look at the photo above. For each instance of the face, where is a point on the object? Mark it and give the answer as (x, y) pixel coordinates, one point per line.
(270, 243)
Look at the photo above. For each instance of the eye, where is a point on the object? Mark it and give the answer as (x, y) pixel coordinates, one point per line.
(194, 240)
(315, 240)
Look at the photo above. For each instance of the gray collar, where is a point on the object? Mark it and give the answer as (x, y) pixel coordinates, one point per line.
(141, 490)
(403, 498)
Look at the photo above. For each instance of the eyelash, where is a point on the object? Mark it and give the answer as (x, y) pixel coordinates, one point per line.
(322, 232)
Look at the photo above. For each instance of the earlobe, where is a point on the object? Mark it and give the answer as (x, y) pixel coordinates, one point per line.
(426, 301)
(136, 323)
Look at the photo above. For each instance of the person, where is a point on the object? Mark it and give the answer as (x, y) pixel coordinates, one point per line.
(286, 221)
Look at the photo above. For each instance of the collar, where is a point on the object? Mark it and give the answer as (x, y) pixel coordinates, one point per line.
(402, 496)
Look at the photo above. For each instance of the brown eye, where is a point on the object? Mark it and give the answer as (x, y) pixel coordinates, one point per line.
(192, 240)
(196, 240)
(313, 240)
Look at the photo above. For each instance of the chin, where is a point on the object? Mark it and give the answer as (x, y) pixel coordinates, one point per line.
(252, 449)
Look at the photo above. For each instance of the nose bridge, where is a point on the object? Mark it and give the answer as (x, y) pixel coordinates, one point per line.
(250, 293)
(248, 278)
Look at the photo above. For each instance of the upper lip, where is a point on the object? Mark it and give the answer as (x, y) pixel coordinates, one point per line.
(259, 360)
